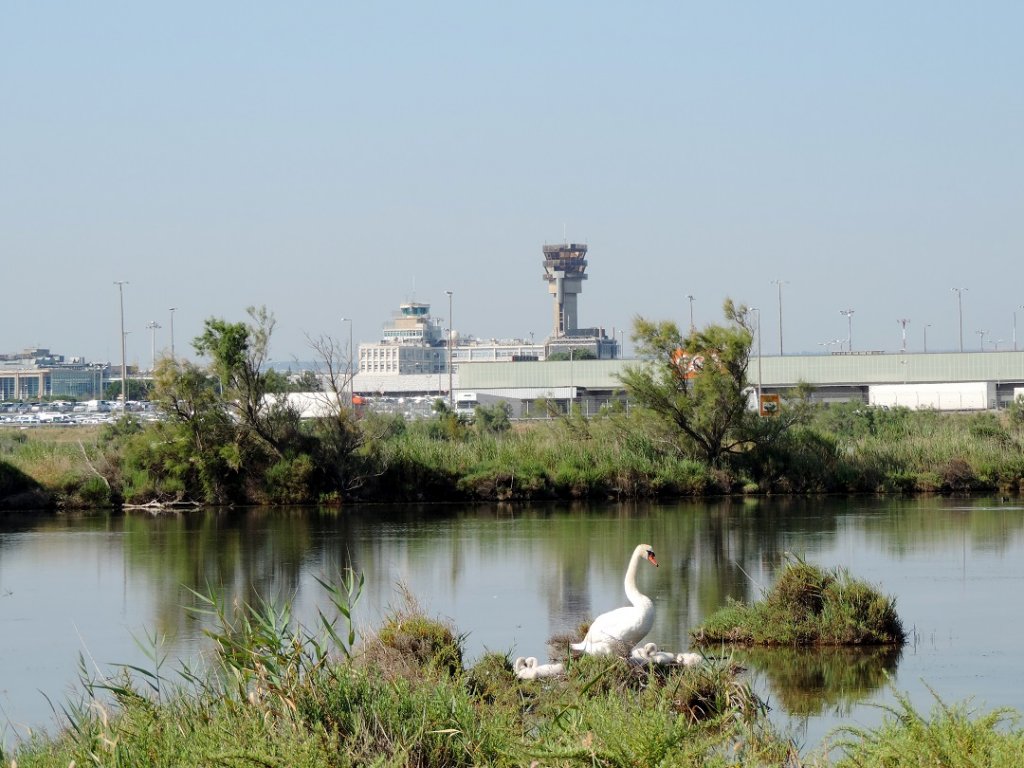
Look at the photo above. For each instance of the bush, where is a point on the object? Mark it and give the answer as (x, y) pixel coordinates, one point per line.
(289, 481)
(808, 606)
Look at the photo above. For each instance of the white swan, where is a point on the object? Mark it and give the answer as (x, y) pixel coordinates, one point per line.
(649, 654)
(615, 632)
(529, 669)
(525, 668)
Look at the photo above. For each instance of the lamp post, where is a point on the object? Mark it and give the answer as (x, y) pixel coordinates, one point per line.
(126, 385)
(904, 322)
(124, 368)
(348, 365)
(690, 297)
(848, 313)
(152, 325)
(780, 283)
(981, 345)
(172, 332)
(960, 312)
(925, 329)
(451, 395)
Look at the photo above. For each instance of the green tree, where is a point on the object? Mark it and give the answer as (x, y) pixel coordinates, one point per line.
(307, 381)
(238, 353)
(493, 419)
(577, 353)
(138, 389)
(696, 383)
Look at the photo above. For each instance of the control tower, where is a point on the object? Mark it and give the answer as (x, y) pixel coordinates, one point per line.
(565, 268)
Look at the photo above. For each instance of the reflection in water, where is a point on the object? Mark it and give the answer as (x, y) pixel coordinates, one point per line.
(512, 576)
(813, 681)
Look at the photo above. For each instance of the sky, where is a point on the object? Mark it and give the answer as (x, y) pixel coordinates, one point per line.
(335, 159)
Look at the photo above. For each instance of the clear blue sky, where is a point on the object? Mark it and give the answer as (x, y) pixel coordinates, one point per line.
(335, 159)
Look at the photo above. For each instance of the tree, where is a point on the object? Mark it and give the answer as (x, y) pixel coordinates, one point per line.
(698, 382)
(238, 353)
(213, 461)
(576, 353)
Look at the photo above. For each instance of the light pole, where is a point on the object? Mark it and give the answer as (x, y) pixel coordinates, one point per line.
(692, 326)
(451, 395)
(572, 380)
(904, 322)
(981, 345)
(172, 332)
(848, 313)
(124, 368)
(780, 283)
(126, 384)
(348, 365)
(152, 325)
(960, 312)
(925, 329)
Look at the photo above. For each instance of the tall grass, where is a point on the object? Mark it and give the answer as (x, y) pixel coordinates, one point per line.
(808, 605)
(276, 693)
(839, 449)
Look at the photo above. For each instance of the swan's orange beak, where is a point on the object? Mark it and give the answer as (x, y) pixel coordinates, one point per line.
(651, 560)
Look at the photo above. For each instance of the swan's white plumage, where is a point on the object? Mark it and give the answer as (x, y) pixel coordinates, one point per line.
(530, 669)
(649, 654)
(615, 632)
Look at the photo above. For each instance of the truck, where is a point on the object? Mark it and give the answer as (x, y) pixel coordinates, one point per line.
(957, 396)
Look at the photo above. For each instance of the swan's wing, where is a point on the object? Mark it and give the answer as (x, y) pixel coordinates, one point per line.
(623, 625)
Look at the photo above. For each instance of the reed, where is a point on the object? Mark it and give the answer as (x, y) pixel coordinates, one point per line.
(807, 605)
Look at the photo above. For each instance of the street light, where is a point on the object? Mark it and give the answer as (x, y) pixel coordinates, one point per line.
(849, 328)
(780, 283)
(172, 332)
(690, 297)
(960, 312)
(124, 368)
(904, 322)
(451, 395)
(926, 327)
(981, 346)
(152, 325)
(348, 365)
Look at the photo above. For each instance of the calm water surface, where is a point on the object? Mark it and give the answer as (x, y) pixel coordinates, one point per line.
(512, 577)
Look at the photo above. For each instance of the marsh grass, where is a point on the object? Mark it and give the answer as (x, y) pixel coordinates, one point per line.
(612, 455)
(952, 736)
(275, 693)
(61, 460)
(808, 605)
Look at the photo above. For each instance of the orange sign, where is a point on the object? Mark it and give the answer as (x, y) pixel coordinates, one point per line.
(770, 404)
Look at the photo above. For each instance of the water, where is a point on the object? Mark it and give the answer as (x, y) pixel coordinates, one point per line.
(512, 577)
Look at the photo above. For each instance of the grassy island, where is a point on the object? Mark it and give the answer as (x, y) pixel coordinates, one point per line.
(276, 694)
(808, 605)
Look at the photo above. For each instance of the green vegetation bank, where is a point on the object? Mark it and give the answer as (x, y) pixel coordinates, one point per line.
(230, 439)
(279, 694)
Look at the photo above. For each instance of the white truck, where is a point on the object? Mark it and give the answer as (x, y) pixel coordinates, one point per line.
(958, 396)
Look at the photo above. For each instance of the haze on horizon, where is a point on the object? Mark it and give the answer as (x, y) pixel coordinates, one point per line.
(333, 160)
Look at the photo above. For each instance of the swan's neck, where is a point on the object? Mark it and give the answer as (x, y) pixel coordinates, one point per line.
(636, 597)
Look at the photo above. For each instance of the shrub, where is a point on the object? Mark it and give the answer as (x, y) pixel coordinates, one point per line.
(808, 606)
